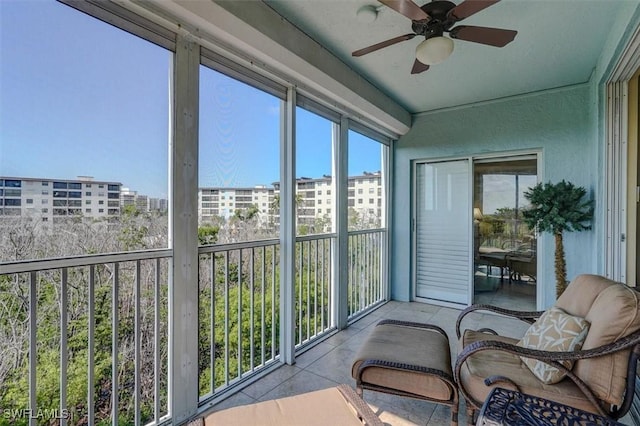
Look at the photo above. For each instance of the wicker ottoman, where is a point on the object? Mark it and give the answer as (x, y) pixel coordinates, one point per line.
(332, 406)
(407, 359)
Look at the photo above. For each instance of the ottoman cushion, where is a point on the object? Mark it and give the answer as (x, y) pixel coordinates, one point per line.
(409, 346)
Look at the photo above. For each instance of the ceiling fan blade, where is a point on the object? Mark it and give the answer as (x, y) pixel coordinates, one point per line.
(491, 36)
(382, 44)
(470, 7)
(418, 67)
(407, 8)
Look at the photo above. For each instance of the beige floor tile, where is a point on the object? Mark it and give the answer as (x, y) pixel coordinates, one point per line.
(346, 335)
(424, 308)
(395, 410)
(390, 306)
(314, 353)
(627, 420)
(302, 382)
(335, 365)
(367, 320)
(410, 315)
(442, 416)
(271, 381)
(234, 400)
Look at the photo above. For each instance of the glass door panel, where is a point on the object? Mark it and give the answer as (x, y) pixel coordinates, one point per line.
(504, 247)
(442, 238)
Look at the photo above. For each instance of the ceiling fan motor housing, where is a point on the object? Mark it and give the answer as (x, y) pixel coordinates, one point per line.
(440, 20)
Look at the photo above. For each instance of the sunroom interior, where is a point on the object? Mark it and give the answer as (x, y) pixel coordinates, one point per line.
(209, 306)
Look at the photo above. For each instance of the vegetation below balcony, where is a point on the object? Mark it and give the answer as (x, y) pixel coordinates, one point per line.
(108, 361)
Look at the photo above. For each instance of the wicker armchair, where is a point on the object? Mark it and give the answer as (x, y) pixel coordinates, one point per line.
(602, 379)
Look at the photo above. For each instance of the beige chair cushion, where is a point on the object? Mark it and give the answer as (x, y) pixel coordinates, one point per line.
(614, 312)
(490, 363)
(406, 345)
(581, 293)
(319, 408)
(555, 331)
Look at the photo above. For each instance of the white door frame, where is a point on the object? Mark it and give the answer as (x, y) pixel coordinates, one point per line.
(540, 284)
(616, 160)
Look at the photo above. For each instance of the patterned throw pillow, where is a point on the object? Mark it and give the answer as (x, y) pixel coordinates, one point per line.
(555, 330)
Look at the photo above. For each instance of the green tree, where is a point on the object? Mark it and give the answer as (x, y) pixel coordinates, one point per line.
(275, 204)
(246, 214)
(208, 234)
(134, 229)
(556, 208)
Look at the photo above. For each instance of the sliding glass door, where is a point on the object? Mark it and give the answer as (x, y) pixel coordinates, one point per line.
(443, 232)
(470, 241)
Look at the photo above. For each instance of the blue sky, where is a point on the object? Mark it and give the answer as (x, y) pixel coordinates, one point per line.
(80, 97)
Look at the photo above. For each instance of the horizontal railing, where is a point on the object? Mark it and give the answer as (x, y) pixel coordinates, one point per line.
(366, 283)
(86, 325)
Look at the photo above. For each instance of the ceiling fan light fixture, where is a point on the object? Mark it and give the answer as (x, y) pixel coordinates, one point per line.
(434, 50)
(367, 14)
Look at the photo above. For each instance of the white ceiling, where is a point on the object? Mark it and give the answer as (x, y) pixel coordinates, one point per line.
(558, 44)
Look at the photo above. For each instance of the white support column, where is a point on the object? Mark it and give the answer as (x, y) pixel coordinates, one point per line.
(387, 219)
(288, 228)
(341, 221)
(183, 233)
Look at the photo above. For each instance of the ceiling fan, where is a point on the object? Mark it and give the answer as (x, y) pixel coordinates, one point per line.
(434, 19)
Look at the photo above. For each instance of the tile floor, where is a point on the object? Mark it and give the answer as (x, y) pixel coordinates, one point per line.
(517, 294)
(329, 363)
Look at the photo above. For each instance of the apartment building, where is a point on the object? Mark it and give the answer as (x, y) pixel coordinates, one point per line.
(158, 204)
(141, 202)
(55, 199)
(222, 202)
(315, 199)
(52, 199)
(365, 194)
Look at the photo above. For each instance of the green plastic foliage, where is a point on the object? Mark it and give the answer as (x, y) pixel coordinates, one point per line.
(558, 207)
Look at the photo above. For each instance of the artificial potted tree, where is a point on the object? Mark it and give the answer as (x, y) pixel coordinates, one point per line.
(556, 208)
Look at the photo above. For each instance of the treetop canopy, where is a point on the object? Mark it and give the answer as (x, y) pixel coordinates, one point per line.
(558, 207)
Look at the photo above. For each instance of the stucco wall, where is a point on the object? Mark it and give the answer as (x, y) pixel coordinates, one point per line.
(559, 123)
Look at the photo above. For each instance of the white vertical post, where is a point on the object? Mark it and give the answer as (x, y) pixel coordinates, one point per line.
(63, 343)
(115, 325)
(287, 228)
(386, 220)
(183, 233)
(33, 346)
(340, 281)
(136, 342)
(156, 345)
(612, 137)
(91, 346)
